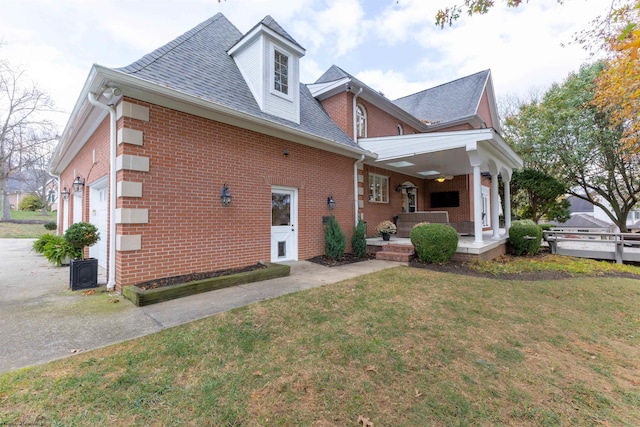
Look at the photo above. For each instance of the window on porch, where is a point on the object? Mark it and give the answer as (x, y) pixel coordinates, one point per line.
(378, 188)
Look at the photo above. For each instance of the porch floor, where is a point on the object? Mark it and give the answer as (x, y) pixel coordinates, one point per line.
(467, 247)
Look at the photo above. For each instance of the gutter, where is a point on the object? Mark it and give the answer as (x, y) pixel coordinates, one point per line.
(111, 277)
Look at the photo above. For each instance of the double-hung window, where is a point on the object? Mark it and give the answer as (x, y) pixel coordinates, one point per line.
(280, 72)
(378, 188)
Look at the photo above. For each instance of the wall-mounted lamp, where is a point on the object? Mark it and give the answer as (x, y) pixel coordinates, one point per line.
(285, 152)
(331, 203)
(65, 193)
(225, 196)
(78, 184)
(399, 189)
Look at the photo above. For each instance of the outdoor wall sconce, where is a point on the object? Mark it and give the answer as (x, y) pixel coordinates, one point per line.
(78, 184)
(65, 193)
(225, 196)
(331, 203)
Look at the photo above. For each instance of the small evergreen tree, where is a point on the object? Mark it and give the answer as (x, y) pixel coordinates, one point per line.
(335, 241)
(359, 240)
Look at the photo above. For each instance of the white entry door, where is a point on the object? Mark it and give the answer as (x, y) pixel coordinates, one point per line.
(284, 221)
(99, 202)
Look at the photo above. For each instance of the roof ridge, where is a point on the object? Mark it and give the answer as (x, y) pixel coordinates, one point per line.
(443, 84)
(165, 49)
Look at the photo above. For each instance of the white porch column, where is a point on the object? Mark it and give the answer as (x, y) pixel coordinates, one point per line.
(507, 203)
(477, 204)
(495, 206)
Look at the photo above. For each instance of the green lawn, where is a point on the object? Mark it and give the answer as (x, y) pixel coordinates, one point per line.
(402, 347)
(16, 230)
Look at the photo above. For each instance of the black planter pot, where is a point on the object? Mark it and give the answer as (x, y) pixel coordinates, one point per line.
(386, 237)
(83, 274)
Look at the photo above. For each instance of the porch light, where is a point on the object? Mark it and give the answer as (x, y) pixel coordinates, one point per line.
(65, 193)
(78, 184)
(331, 203)
(225, 196)
(440, 179)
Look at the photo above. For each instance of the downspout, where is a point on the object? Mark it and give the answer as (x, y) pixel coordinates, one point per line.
(58, 199)
(355, 188)
(111, 275)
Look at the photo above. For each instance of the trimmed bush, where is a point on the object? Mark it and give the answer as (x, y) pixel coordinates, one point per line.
(335, 241)
(81, 235)
(434, 243)
(30, 202)
(50, 225)
(525, 238)
(359, 240)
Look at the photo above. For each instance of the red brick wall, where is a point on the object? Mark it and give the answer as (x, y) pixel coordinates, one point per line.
(459, 183)
(84, 166)
(375, 212)
(483, 110)
(340, 109)
(189, 230)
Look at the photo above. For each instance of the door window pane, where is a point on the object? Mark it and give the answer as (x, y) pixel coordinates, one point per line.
(280, 209)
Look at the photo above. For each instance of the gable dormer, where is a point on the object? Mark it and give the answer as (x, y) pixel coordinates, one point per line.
(269, 60)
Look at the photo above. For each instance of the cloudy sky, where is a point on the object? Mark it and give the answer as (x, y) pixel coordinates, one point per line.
(392, 45)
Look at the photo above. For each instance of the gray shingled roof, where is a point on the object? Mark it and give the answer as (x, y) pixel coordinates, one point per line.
(197, 63)
(448, 102)
(336, 73)
(579, 205)
(582, 221)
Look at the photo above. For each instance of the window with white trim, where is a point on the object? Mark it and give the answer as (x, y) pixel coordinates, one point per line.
(378, 188)
(280, 72)
(400, 129)
(361, 121)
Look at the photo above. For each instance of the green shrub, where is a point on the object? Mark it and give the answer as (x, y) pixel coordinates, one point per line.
(525, 238)
(39, 244)
(57, 249)
(359, 240)
(546, 227)
(30, 202)
(434, 243)
(50, 225)
(335, 241)
(81, 235)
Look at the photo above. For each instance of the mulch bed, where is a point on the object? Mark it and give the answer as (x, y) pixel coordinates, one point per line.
(346, 259)
(186, 278)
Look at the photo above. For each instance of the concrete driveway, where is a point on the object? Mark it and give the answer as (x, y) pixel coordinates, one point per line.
(42, 320)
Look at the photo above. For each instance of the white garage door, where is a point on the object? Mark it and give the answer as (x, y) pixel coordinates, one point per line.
(99, 217)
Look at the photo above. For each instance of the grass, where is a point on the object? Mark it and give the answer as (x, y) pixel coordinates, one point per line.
(29, 231)
(401, 347)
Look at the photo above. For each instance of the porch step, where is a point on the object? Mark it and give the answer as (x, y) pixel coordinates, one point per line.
(398, 253)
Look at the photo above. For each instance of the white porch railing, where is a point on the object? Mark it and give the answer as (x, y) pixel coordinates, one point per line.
(618, 247)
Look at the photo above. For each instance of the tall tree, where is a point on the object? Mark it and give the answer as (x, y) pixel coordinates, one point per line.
(25, 134)
(566, 136)
(543, 196)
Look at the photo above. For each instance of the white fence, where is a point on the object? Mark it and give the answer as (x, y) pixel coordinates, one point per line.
(618, 247)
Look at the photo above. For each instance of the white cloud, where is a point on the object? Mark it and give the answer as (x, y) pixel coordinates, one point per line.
(391, 83)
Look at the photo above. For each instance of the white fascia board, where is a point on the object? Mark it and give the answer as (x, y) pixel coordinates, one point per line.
(134, 87)
(322, 91)
(402, 146)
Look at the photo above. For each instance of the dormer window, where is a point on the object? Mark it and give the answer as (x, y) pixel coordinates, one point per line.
(280, 72)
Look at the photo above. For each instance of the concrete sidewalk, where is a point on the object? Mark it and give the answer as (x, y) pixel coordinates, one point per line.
(42, 320)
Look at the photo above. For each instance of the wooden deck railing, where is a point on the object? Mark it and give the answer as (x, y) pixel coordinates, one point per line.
(618, 247)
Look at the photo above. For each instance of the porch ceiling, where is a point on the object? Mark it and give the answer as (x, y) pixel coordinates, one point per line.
(448, 153)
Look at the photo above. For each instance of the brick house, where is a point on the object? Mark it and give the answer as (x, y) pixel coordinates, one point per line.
(216, 111)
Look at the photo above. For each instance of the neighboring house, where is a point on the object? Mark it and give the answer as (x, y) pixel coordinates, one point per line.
(585, 222)
(216, 112)
(20, 184)
(581, 206)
